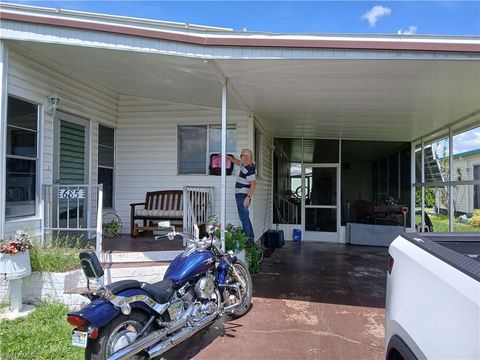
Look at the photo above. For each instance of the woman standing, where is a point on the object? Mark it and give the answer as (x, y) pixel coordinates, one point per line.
(244, 190)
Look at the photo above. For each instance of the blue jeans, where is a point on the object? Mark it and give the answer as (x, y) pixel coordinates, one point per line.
(243, 214)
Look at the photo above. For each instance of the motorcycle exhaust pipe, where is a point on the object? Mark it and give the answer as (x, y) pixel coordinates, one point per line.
(137, 346)
(183, 335)
(149, 340)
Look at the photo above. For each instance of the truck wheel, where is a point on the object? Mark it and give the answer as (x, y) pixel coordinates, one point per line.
(117, 334)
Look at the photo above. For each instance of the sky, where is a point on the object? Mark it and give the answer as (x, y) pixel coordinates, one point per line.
(364, 17)
(463, 142)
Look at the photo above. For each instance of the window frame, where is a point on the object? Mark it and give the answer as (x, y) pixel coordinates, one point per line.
(208, 151)
(107, 167)
(476, 188)
(35, 159)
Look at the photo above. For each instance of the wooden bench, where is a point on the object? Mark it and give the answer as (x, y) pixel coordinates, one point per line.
(158, 206)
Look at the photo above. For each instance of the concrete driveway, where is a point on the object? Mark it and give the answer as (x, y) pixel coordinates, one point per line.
(311, 301)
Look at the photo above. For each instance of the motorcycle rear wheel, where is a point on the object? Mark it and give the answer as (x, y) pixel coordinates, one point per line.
(114, 332)
(242, 270)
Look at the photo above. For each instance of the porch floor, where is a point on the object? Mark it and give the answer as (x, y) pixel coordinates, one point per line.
(142, 243)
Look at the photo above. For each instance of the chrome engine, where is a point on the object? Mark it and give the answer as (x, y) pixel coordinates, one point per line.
(205, 287)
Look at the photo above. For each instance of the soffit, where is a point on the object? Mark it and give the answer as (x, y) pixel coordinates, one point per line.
(384, 100)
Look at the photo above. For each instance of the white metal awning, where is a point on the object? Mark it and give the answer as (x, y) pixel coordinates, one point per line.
(385, 88)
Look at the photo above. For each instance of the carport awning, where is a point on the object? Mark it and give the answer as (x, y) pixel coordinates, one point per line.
(382, 88)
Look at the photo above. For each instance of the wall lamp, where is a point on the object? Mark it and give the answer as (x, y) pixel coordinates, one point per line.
(54, 102)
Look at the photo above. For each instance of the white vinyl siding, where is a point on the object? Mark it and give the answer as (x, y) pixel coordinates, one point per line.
(146, 139)
(262, 212)
(147, 154)
(34, 79)
(464, 194)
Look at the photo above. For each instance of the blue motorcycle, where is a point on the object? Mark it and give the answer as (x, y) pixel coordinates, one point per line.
(130, 319)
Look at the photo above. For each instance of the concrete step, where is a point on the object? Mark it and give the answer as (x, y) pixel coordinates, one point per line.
(139, 257)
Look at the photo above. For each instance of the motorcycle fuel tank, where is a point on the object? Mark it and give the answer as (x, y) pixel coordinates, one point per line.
(183, 267)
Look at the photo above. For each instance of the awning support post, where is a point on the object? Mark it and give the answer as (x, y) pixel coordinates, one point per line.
(223, 197)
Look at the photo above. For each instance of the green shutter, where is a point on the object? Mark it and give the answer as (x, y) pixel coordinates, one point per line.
(72, 153)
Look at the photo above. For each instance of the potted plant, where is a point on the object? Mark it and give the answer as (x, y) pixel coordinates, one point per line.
(235, 240)
(14, 256)
(112, 225)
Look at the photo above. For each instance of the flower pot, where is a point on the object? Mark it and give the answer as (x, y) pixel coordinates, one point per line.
(15, 266)
(241, 256)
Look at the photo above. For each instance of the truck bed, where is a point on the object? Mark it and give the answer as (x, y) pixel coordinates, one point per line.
(433, 297)
(461, 250)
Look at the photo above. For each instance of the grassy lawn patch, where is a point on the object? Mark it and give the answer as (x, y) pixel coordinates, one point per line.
(440, 223)
(55, 259)
(59, 256)
(42, 335)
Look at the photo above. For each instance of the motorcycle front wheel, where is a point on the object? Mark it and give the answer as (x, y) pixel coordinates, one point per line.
(117, 334)
(242, 270)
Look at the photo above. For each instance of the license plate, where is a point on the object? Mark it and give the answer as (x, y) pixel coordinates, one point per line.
(79, 338)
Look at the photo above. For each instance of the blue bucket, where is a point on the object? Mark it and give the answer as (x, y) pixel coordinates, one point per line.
(297, 235)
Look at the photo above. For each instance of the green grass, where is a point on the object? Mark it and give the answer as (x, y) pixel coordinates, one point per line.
(54, 259)
(42, 335)
(59, 256)
(440, 223)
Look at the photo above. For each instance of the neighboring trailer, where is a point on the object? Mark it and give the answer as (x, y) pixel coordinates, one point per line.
(433, 297)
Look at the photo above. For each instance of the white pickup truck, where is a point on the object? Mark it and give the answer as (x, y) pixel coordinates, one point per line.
(433, 297)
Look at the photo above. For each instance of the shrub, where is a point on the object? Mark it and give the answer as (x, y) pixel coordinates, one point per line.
(429, 198)
(475, 220)
(254, 257)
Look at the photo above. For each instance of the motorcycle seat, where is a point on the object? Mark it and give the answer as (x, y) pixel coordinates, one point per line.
(160, 291)
(121, 285)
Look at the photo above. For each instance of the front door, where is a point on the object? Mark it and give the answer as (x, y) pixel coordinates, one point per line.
(71, 168)
(321, 199)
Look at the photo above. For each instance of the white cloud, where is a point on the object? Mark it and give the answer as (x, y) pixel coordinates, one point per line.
(411, 31)
(469, 140)
(376, 13)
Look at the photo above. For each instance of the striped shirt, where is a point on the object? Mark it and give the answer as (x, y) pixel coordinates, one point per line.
(245, 176)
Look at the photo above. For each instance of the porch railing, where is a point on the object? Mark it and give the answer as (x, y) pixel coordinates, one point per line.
(197, 207)
(70, 208)
(286, 210)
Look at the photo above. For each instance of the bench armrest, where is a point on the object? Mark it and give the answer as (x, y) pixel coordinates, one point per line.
(136, 204)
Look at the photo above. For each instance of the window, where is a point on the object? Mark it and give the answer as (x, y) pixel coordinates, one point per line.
(258, 151)
(21, 167)
(197, 143)
(106, 163)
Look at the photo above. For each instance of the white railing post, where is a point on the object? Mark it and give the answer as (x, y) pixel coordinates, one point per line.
(196, 207)
(99, 239)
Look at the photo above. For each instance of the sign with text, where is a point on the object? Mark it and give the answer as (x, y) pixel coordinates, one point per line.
(67, 193)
